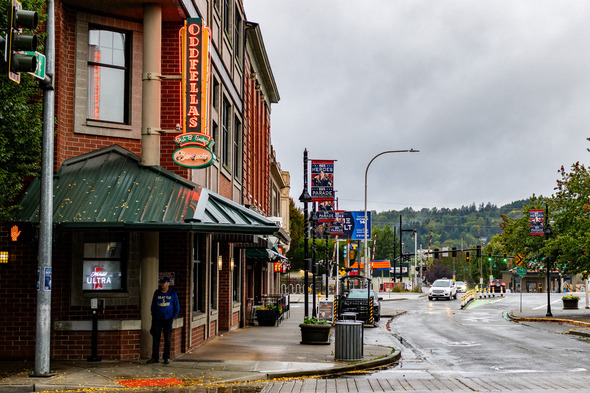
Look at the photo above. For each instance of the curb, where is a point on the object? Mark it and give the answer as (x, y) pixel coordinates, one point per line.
(575, 331)
(368, 365)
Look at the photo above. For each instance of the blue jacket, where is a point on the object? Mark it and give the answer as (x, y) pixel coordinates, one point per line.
(165, 305)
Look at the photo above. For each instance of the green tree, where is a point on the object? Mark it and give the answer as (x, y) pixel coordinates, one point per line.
(569, 244)
(516, 237)
(20, 127)
(295, 253)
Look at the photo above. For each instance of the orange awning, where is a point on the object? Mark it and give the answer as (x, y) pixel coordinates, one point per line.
(381, 265)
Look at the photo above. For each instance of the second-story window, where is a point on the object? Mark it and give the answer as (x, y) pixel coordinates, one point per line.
(225, 119)
(237, 148)
(238, 35)
(226, 18)
(108, 74)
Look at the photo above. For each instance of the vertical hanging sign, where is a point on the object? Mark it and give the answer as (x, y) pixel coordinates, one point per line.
(195, 143)
(536, 218)
(322, 180)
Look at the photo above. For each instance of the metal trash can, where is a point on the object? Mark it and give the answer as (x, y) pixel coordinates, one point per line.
(348, 340)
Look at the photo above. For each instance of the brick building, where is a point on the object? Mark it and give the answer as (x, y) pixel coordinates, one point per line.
(125, 213)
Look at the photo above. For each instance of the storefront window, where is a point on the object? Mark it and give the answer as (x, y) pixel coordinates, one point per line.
(102, 267)
(199, 274)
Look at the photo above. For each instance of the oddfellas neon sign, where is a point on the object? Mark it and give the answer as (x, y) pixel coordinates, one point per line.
(194, 143)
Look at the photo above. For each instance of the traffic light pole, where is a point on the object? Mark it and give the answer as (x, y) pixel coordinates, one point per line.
(43, 331)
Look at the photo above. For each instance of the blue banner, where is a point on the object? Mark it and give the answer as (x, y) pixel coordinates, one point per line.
(354, 224)
(322, 180)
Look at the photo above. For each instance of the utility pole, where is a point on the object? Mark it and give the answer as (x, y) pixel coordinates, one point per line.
(43, 324)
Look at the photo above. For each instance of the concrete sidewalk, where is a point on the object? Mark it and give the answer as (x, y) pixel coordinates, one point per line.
(573, 321)
(253, 353)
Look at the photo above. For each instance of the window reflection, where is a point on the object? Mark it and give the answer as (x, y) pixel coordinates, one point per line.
(107, 76)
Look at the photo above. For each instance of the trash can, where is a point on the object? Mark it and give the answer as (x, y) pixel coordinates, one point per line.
(348, 340)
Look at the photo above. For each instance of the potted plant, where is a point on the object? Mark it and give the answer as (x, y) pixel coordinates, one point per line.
(570, 302)
(268, 315)
(315, 331)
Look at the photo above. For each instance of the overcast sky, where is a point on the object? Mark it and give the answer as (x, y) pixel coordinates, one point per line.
(494, 94)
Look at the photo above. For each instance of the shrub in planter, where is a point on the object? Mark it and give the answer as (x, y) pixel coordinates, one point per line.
(570, 302)
(267, 315)
(315, 332)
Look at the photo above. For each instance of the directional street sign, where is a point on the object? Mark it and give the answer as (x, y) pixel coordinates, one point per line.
(519, 260)
(40, 71)
(521, 271)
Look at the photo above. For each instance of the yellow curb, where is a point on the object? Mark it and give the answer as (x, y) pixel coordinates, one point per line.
(558, 320)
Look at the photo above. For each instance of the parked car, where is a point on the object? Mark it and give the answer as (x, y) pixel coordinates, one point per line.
(461, 286)
(443, 288)
(350, 303)
(497, 285)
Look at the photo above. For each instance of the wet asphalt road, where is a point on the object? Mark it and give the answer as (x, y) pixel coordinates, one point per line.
(439, 339)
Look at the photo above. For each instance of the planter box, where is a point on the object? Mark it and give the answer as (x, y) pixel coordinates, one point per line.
(266, 317)
(315, 334)
(570, 304)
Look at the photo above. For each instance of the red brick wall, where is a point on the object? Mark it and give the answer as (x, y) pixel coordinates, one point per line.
(67, 144)
(197, 336)
(111, 345)
(171, 98)
(256, 147)
(18, 279)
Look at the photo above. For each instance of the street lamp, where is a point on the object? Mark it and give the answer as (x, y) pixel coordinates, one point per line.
(366, 249)
(305, 198)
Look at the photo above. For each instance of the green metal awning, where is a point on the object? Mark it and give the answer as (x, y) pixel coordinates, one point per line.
(110, 188)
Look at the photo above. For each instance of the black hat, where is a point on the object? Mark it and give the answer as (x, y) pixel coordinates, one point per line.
(164, 279)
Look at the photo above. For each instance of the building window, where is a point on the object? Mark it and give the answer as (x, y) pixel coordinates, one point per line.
(107, 82)
(108, 75)
(199, 274)
(225, 116)
(237, 148)
(216, 90)
(237, 35)
(103, 265)
(215, 136)
(236, 288)
(226, 18)
(213, 282)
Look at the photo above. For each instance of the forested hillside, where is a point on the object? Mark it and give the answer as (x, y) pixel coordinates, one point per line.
(459, 228)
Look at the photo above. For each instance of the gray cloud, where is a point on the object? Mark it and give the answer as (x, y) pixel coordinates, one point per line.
(494, 94)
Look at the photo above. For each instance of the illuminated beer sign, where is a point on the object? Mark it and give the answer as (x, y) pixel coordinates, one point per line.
(195, 143)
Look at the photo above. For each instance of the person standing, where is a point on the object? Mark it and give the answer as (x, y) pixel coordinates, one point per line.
(165, 308)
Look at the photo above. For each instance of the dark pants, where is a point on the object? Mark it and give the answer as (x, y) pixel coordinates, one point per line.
(157, 326)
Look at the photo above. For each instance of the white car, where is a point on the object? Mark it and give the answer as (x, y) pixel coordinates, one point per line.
(461, 286)
(443, 288)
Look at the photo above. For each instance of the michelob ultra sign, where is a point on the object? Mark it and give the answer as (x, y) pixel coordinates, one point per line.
(194, 143)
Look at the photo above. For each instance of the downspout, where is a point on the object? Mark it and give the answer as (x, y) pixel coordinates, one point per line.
(150, 155)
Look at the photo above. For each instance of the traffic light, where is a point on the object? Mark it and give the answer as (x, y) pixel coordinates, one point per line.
(16, 42)
(505, 257)
(436, 253)
(466, 256)
(454, 252)
(478, 251)
(345, 252)
(489, 257)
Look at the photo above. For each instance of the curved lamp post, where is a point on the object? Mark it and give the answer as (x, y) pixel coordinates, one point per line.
(367, 268)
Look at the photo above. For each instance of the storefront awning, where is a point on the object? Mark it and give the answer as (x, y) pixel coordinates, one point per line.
(110, 188)
(375, 265)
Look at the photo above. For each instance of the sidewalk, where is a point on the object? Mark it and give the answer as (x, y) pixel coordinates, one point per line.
(253, 353)
(574, 321)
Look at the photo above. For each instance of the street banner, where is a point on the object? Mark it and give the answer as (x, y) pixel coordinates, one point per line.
(537, 221)
(326, 212)
(337, 227)
(322, 180)
(354, 225)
